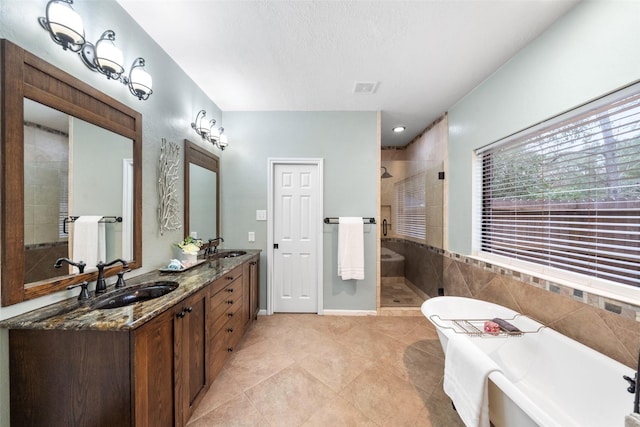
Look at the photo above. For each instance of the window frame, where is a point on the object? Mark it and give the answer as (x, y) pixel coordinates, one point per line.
(580, 281)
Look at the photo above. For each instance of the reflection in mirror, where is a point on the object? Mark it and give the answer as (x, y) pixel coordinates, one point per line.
(25, 76)
(202, 202)
(77, 181)
(202, 192)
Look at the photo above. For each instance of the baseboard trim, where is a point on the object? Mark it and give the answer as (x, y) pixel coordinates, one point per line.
(350, 312)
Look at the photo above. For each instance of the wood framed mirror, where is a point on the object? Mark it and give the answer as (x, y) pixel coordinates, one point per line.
(25, 81)
(201, 192)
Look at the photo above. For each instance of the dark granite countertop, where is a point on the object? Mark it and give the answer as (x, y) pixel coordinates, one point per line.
(71, 314)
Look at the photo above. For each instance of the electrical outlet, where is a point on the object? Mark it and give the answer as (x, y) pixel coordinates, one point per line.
(252, 236)
(261, 215)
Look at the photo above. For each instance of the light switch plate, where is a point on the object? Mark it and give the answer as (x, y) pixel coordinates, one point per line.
(261, 215)
(252, 236)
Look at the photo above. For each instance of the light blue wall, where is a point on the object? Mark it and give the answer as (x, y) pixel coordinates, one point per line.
(347, 141)
(589, 52)
(167, 114)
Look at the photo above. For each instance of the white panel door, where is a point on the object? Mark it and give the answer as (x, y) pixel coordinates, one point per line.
(295, 226)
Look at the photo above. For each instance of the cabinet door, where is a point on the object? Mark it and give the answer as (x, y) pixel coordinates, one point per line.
(154, 371)
(254, 287)
(246, 295)
(192, 345)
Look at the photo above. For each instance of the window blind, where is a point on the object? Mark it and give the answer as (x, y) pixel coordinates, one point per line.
(567, 195)
(410, 214)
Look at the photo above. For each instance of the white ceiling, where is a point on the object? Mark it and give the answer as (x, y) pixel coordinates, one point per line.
(295, 55)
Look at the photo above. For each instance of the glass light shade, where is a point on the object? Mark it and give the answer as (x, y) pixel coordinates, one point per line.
(140, 81)
(202, 126)
(215, 132)
(224, 140)
(65, 24)
(109, 58)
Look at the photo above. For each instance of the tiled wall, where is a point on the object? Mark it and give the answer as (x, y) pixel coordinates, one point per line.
(46, 170)
(425, 154)
(423, 264)
(610, 327)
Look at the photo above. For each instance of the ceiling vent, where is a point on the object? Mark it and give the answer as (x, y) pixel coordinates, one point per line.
(365, 87)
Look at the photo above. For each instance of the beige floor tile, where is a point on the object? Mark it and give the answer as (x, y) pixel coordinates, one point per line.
(238, 412)
(418, 368)
(223, 389)
(256, 363)
(368, 342)
(339, 413)
(385, 398)
(290, 397)
(303, 369)
(336, 367)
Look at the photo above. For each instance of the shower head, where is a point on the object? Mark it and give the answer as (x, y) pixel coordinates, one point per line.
(386, 174)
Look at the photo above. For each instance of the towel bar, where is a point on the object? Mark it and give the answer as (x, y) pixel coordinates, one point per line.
(107, 219)
(334, 220)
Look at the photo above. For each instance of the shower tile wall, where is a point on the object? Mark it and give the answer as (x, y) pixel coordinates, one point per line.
(426, 153)
(46, 171)
(422, 266)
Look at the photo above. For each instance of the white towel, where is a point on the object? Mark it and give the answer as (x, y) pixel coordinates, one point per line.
(351, 248)
(466, 372)
(88, 241)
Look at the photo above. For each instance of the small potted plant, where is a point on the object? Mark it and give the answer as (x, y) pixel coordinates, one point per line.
(189, 248)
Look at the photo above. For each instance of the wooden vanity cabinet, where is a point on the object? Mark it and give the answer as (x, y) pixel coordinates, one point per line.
(227, 324)
(170, 371)
(251, 277)
(151, 376)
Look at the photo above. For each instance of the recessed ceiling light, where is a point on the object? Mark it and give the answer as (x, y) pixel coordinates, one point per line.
(399, 129)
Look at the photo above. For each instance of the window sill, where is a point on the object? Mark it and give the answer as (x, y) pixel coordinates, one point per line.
(588, 285)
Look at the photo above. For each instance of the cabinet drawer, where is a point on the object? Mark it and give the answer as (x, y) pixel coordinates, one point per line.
(229, 295)
(222, 317)
(223, 343)
(223, 281)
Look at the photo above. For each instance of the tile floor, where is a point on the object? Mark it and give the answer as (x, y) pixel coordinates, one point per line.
(308, 370)
(395, 292)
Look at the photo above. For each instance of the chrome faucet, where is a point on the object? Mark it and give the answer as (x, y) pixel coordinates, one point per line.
(101, 284)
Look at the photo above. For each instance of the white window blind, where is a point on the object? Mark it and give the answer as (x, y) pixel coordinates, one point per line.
(568, 195)
(410, 206)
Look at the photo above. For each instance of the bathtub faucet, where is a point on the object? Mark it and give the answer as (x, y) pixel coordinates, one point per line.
(633, 388)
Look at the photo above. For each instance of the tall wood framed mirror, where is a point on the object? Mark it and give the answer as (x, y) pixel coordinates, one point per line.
(100, 175)
(201, 192)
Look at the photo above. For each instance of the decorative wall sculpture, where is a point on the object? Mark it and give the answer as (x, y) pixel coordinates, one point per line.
(168, 215)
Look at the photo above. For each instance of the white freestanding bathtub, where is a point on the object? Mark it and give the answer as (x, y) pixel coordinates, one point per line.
(545, 378)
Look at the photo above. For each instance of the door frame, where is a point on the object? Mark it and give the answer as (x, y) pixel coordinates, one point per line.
(272, 163)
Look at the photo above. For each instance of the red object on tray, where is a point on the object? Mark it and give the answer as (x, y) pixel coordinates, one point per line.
(491, 327)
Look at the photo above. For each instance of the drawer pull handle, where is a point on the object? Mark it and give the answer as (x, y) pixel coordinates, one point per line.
(230, 290)
(230, 349)
(229, 314)
(229, 277)
(229, 330)
(189, 309)
(230, 302)
(181, 314)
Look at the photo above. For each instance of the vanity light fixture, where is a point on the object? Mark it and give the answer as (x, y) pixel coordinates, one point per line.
(208, 130)
(399, 129)
(139, 81)
(66, 29)
(201, 126)
(104, 57)
(64, 25)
